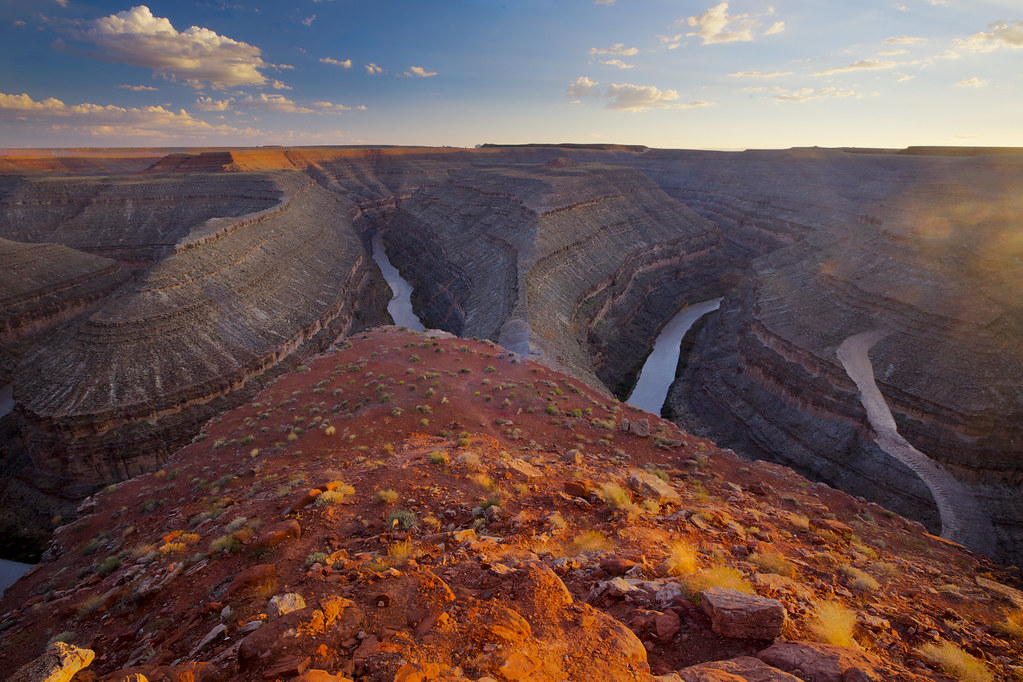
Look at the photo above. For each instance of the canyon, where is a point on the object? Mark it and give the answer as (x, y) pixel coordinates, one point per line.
(144, 294)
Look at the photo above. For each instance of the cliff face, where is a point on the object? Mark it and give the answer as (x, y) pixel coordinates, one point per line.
(931, 265)
(577, 263)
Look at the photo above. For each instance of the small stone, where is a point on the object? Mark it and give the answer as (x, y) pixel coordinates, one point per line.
(824, 662)
(667, 625)
(278, 533)
(572, 457)
(743, 668)
(524, 469)
(640, 427)
(652, 488)
(736, 614)
(250, 576)
(518, 666)
(289, 667)
(285, 603)
(577, 489)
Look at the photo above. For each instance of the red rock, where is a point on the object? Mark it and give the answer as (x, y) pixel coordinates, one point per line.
(824, 662)
(577, 489)
(735, 614)
(616, 565)
(369, 646)
(741, 669)
(313, 675)
(289, 667)
(667, 625)
(59, 664)
(413, 672)
(250, 576)
(279, 533)
(834, 526)
(303, 499)
(518, 666)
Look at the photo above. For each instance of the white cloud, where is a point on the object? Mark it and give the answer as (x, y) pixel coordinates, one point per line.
(109, 120)
(716, 25)
(20, 23)
(672, 42)
(861, 65)
(617, 62)
(372, 69)
(810, 94)
(628, 97)
(62, 3)
(138, 88)
(343, 63)
(760, 74)
(271, 102)
(583, 87)
(618, 49)
(1000, 34)
(418, 72)
(973, 82)
(210, 104)
(903, 40)
(891, 53)
(776, 27)
(329, 107)
(603, 2)
(308, 21)
(196, 56)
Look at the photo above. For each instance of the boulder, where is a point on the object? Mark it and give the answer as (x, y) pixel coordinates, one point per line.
(518, 666)
(59, 664)
(815, 662)
(285, 603)
(250, 576)
(652, 488)
(747, 616)
(278, 533)
(741, 669)
(524, 469)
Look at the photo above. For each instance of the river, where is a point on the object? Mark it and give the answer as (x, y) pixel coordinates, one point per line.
(400, 305)
(10, 571)
(658, 371)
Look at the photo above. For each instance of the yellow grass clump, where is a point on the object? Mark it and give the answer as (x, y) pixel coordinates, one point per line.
(955, 662)
(588, 541)
(718, 576)
(834, 624)
(681, 559)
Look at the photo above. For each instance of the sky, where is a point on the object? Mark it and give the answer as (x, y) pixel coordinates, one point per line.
(663, 73)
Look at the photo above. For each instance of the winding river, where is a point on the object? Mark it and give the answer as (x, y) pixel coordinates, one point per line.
(400, 305)
(659, 369)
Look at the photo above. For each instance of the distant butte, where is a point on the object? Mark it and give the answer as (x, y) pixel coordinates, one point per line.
(153, 289)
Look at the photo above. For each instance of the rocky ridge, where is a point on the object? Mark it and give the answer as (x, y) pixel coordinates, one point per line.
(420, 507)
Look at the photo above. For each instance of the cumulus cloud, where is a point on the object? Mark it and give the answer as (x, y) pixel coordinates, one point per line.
(210, 104)
(618, 49)
(271, 102)
(892, 53)
(973, 82)
(196, 56)
(603, 2)
(372, 69)
(776, 27)
(110, 120)
(308, 21)
(628, 97)
(62, 3)
(418, 72)
(617, 62)
(583, 87)
(343, 63)
(760, 74)
(138, 88)
(810, 94)
(716, 25)
(1007, 34)
(861, 65)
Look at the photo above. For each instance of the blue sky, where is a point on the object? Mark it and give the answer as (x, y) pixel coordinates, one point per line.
(665, 73)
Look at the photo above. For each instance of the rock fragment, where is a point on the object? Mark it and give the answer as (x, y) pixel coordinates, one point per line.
(59, 664)
(739, 615)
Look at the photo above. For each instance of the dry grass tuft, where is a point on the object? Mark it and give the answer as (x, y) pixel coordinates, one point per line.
(955, 662)
(834, 624)
(859, 580)
(1012, 626)
(681, 559)
(400, 552)
(588, 541)
(718, 576)
(615, 496)
(773, 562)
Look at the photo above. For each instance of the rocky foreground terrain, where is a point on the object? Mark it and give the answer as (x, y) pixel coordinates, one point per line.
(154, 289)
(422, 507)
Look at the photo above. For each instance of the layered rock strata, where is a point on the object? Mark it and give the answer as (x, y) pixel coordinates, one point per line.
(932, 265)
(115, 392)
(578, 263)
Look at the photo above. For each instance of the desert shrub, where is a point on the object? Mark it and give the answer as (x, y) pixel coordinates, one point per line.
(402, 518)
(859, 580)
(387, 496)
(681, 559)
(773, 562)
(484, 481)
(834, 624)
(108, 566)
(89, 605)
(1012, 626)
(615, 495)
(717, 576)
(316, 558)
(588, 541)
(955, 662)
(225, 544)
(236, 523)
(400, 552)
